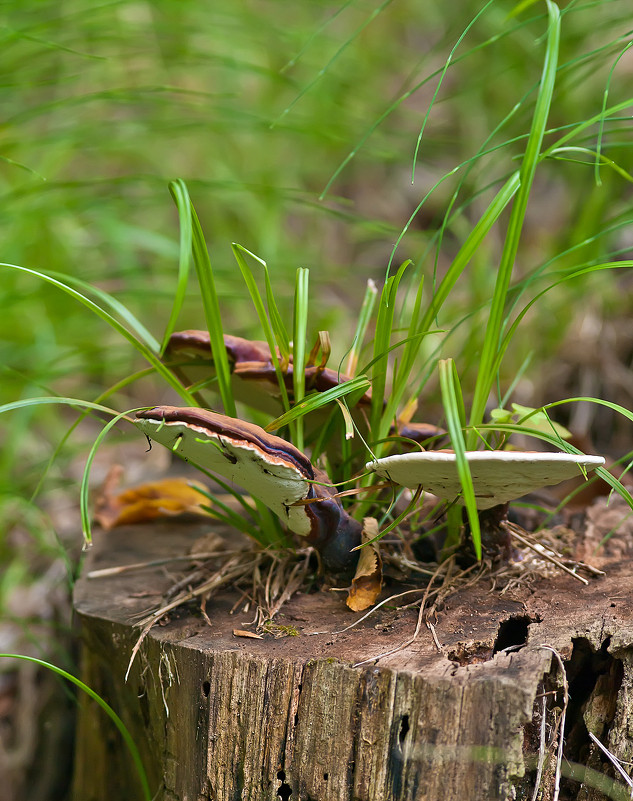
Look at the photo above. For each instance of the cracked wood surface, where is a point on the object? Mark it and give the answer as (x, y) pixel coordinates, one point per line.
(221, 717)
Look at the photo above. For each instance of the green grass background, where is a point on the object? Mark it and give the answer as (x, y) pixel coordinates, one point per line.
(257, 105)
(294, 126)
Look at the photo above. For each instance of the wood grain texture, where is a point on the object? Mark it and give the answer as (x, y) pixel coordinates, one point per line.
(223, 718)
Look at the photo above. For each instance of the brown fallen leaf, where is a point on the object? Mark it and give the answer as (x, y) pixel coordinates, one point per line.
(250, 634)
(367, 581)
(165, 498)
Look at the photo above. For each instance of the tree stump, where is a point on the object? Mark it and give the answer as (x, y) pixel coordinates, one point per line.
(222, 717)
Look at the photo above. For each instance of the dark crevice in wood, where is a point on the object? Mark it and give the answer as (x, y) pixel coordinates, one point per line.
(284, 792)
(513, 633)
(595, 678)
(404, 729)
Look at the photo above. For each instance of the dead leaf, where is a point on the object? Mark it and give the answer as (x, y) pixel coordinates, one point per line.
(165, 498)
(250, 634)
(367, 581)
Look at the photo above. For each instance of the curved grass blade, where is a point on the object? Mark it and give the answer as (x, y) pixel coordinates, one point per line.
(439, 84)
(453, 404)
(266, 324)
(299, 333)
(178, 190)
(211, 306)
(364, 316)
(485, 375)
(336, 55)
(141, 346)
(602, 119)
(382, 340)
(103, 396)
(115, 305)
(123, 730)
(317, 400)
(85, 480)
(515, 324)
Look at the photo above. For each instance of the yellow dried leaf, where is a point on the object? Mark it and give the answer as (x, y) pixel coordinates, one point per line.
(367, 581)
(165, 498)
(250, 634)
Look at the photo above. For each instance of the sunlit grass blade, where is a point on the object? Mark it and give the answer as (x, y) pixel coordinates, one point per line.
(379, 426)
(604, 106)
(403, 368)
(364, 318)
(211, 307)
(264, 320)
(109, 301)
(440, 81)
(453, 404)
(85, 480)
(318, 400)
(568, 277)
(123, 730)
(180, 195)
(485, 375)
(98, 400)
(276, 322)
(47, 401)
(334, 58)
(141, 346)
(299, 334)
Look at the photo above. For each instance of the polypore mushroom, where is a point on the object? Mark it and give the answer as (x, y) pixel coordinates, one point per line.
(498, 476)
(254, 380)
(268, 467)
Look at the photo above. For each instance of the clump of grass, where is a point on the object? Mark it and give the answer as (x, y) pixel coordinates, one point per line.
(401, 362)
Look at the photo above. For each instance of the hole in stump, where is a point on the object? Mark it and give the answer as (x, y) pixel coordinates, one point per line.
(512, 632)
(326, 776)
(144, 704)
(283, 791)
(206, 688)
(404, 729)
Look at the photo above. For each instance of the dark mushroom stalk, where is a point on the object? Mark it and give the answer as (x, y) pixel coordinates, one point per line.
(268, 467)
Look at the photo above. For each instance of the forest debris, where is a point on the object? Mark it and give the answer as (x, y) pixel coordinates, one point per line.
(250, 634)
(367, 581)
(167, 497)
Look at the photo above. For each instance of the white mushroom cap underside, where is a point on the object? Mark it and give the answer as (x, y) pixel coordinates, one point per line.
(277, 483)
(498, 476)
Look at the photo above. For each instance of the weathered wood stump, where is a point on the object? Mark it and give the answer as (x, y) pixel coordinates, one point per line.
(221, 717)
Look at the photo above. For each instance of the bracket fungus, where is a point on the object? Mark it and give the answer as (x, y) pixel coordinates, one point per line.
(254, 380)
(268, 467)
(498, 476)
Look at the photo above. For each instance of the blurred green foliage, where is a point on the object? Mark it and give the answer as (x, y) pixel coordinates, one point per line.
(255, 105)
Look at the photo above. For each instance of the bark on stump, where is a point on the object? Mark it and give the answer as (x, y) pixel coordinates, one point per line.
(221, 717)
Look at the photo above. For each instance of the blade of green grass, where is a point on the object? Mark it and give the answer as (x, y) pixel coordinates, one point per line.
(382, 341)
(485, 375)
(178, 190)
(267, 327)
(115, 306)
(141, 346)
(211, 308)
(299, 334)
(364, 317)
(123, 731)
(454, 411)
(317, 400)
(85, 480)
